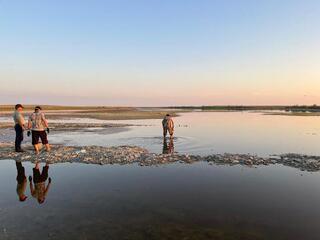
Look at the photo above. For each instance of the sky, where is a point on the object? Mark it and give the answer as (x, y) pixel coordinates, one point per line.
(160, 52)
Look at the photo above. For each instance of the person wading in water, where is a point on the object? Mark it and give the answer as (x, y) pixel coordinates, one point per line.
(38, 125)
(168, 126)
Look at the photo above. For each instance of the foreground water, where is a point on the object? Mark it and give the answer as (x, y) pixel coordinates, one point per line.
(174, 201)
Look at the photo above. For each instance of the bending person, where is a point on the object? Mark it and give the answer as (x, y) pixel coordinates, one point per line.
(168, 126)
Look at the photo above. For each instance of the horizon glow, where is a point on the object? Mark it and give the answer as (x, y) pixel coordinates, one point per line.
(160, 53)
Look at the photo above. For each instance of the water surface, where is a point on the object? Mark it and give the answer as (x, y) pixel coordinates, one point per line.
(215, 132)
(175, 201)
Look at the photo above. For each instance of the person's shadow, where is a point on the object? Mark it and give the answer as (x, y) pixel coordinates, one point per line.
(168, 148)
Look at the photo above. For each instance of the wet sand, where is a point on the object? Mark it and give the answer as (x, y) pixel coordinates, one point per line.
(101, 113)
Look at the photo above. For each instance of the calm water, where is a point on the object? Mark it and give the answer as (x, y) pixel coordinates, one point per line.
(175, 201)
(215, 132)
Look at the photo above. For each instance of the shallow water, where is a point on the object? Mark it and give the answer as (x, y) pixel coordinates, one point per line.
(215, 132)
(176, 201)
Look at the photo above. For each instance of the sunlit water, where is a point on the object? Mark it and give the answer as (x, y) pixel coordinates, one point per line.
(215, 132)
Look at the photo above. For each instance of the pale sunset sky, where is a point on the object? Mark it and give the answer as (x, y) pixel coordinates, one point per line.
(160, 52)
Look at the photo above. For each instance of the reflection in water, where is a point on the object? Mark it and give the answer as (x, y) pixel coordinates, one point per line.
(40, 190)
(21, 182)
(178, 201)
(168, 149)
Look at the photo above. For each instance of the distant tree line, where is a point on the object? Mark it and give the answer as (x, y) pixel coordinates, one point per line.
(303, 108)
(294, 108)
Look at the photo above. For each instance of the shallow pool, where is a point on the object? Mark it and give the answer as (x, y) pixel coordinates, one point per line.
(176, 201)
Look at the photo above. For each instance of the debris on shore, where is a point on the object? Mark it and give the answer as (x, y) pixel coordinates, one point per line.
(65, 126)
(300, 161)
(133, 154)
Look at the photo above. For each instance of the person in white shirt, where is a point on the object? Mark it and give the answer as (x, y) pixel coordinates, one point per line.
(38, 125)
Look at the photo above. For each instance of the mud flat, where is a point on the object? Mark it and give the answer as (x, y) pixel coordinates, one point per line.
(133, 154)
(75, 126)
(101, 113)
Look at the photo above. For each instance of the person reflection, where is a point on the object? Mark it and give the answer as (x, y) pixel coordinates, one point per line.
(40, 190)
(168, 148)
(21, 182)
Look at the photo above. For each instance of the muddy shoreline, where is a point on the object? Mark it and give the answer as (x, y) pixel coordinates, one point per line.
(97, 113)
(74, 126)
(136, 155)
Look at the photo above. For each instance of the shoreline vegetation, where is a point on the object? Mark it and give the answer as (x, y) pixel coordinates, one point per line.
(294, 108)
(124, 155)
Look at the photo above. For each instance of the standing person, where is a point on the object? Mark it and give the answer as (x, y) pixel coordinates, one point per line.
(19, 123)
(168, 125)
(21, 182)
(40, 190)
(39, 124)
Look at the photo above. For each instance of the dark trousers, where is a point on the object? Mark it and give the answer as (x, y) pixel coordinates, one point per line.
(19, 136)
